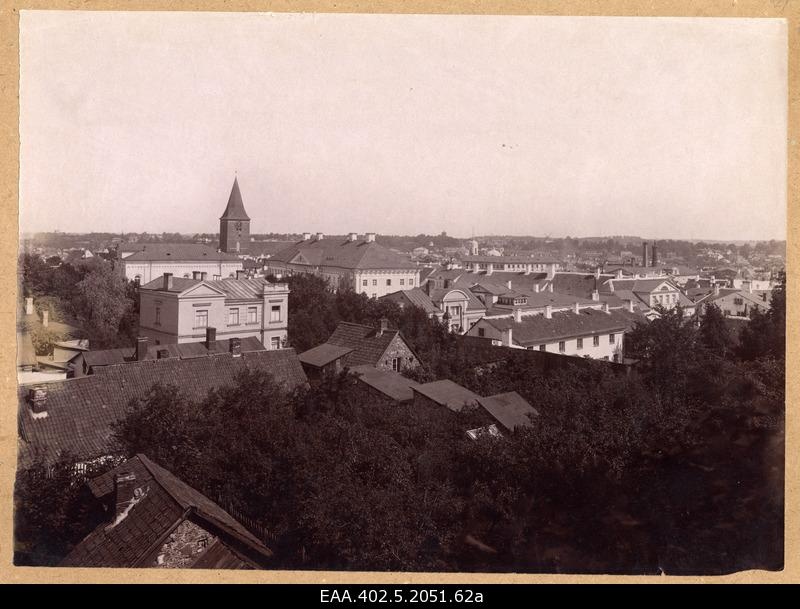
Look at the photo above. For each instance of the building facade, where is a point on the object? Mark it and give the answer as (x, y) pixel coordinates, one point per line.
(180, 310)
(179, 260)
(353, 263)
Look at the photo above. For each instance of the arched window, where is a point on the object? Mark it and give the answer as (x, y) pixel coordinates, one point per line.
(137, 279)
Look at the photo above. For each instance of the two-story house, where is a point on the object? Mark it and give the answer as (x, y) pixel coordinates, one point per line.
(179, 310)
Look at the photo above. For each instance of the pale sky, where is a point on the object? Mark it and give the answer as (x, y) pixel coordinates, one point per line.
(404, 124)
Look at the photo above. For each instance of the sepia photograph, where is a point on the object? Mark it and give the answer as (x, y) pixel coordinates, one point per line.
(401, 293)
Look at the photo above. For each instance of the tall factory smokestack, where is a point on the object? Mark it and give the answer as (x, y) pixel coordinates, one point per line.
(644, 253)
(655, 255)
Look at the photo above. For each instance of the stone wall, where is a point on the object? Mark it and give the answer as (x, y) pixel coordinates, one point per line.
(184, 545)
(398, 348)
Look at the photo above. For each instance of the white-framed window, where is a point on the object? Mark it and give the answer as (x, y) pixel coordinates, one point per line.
(562, 346)
(402, 282)
(388, 282)
(158, 316)
(217, 277)
(542, 347)
(596, 341)
(411, 281)
(201, 318)
(275, 343)
(396, 364)
(275, 313)
(233, 317)
(252, 315)
(611, 339)
(374, 282)
(363, 282)
(580, 343)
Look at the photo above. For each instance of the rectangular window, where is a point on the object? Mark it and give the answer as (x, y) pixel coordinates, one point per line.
(542, 347)
(275, 343)
(481, 332)
(201, 318)
(252, 315)
(233, 317)
(411, 281)
(363, 282)
(217, 277)
(580, 343)
(562, 346)
(738, 301)
(396, 364)
(402, 282)
(611, 339)
(388, 282)
(158, 316)
(374, 282)
(596, 341)
(275, 313)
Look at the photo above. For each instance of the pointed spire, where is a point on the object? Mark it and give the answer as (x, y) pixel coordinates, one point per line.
(235, 209)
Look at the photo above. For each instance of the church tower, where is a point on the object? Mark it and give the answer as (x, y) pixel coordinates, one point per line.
(234, 225)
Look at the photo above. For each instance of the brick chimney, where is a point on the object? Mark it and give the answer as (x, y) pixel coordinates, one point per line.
(528, 268)
(124, 493)
(548, 312)
(654, 255)
(241, 274)
(167, 281)
(352, 237)
(45, 318)
(716, 289)
(320, 236)
(235, 346)
(550, 287)
(596, 295)
(536, 288)
(631, 307)
(508, 284)
(576, 307)
(644, 253)
(490, 268)
(384, 326)
(37, 398)
(370, 237)
(211, 338)
(597, 272)
(141, 348)
(508, 337)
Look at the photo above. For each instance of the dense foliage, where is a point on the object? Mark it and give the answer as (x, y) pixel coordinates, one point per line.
(92, 294)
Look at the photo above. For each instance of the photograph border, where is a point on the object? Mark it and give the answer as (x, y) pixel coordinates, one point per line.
(9, 246)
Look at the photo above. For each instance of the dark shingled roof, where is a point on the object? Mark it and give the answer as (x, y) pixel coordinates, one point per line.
(183, 252)
(509, 409)
(235, 209)
(417, 297)
(447, 393)
(391, 384)
(367, 343)
(80, 411)
(535, 329)
(346, 254)
(107, 357)
(323, 354)
(167, 502)
(577, 284)
(263, 249)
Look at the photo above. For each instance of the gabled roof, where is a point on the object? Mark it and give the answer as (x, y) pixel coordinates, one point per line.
(80, 411)
(166, 502)
(179, 252)
(510, 409)
(437, 295)
(391, 384)
(235, 209)
(447, 393)
(346, 254)
(368, 344)
(323, 354)
(417, 297)
(642, 286)
(536, 329)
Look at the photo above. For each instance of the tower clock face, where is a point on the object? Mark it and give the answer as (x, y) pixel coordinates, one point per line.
(238, 226)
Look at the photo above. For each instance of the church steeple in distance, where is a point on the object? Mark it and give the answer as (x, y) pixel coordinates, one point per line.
(234, 224)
